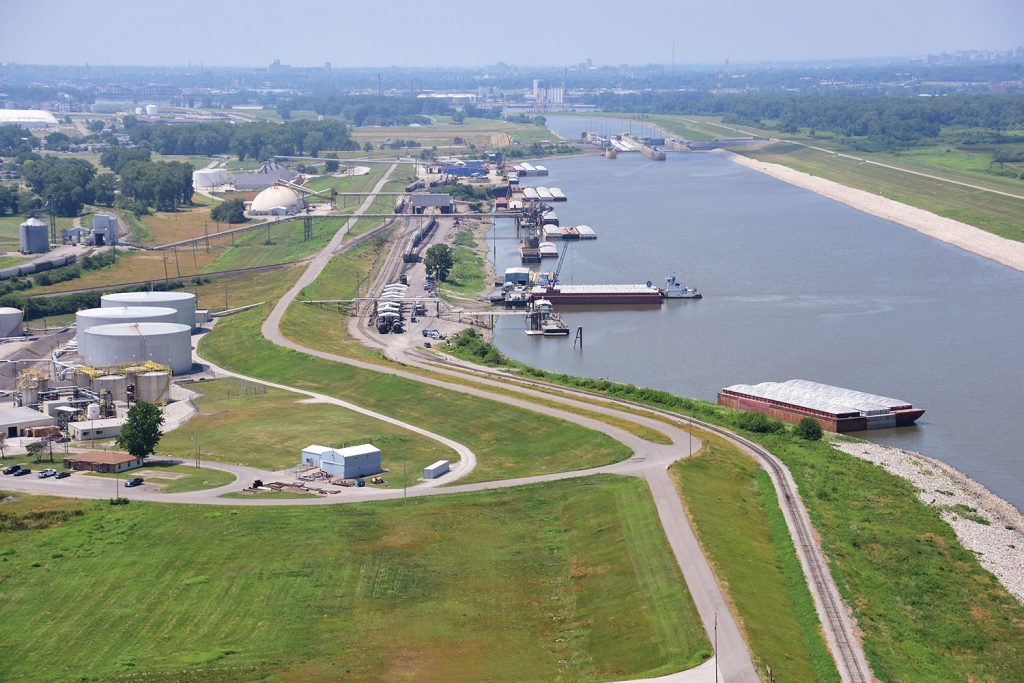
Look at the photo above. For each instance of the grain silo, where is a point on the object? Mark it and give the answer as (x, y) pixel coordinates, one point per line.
(10, 322)
(35, 236)
(111, 315)
(183, 302)
(168, 344)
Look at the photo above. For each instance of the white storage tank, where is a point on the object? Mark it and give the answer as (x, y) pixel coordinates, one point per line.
(111, 315)
(92, 411)
(209, 178)
(35, 236)
(168, 344)
(153, 387)
(183, 302)
(10, 322)
(117, 385)
(152, 110)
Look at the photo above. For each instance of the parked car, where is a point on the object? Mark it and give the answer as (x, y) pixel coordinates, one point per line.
(48, 472)
(22, 472)
(62, 475)
(11, 469)
(134, 481)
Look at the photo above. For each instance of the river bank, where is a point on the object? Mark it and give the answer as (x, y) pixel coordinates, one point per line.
(967, 237)
(984, 523)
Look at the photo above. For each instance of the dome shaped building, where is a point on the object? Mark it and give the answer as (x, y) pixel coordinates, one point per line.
(276, 201)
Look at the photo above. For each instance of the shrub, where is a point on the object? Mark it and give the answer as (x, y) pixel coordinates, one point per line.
(762, 424)
(809, 429)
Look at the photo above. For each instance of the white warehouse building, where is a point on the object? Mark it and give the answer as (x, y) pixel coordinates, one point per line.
(168, 344)
(91, 317)
(348, 463)
(183, 302)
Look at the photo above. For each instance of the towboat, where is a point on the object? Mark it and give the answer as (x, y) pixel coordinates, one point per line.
(675, 289)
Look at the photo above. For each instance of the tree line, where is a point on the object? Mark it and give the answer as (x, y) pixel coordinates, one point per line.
(261, 140)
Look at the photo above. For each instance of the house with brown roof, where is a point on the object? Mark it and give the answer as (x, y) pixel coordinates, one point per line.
(102, 461)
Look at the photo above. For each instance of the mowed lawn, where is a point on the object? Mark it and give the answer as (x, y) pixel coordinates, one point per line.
(245, 423)
(564, 581)
(277, 242)
(508, 441)
(739, 523)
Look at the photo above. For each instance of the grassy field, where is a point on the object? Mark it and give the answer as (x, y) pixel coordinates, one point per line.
(508, 442)
(467, 275)
(242, 290)
(240, 424)
(484, 133)
(567, 581)
(927, 609)
(277, 242)
(741, 528)
(10, 237)
(173, 478)
(164, 227)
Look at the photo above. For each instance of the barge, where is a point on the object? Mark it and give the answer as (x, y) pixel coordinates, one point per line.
(834, 408)
(588, 295)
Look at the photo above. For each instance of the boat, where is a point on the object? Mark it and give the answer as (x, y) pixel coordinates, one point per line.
(544, 194)
(554, 326)
(548, 250)
(517, 297)
(557, 195)
(585, 295)
(529, 249)
(675, 289)
(610, 153)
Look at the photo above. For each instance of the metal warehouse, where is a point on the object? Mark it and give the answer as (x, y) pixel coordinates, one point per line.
(835, 408)
(348, 463)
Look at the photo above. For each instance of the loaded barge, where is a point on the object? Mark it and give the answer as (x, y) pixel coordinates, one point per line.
(834, 408)
(586, 295)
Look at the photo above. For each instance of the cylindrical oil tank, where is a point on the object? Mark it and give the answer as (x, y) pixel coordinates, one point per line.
(83, 380)
(10, 322)
(111, 315)
(117, 385)
(35, 236)
(92, 411)
(168, 344)
(183, 302)
(153, 387)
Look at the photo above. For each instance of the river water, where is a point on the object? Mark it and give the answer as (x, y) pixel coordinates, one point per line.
(795, 286)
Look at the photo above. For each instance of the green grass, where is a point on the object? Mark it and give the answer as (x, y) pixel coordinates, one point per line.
(567, 581)
(270, 494)
(508, 442)
(193, 479)
(998, 214)
(238, 423)
(10, 237)
(278, 242)
(739, 523)
(467, 274)
(927, 609)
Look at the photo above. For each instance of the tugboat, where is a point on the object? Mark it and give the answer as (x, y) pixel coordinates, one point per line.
(675, 289)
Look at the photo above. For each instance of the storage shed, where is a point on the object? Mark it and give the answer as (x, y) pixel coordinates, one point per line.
(348, 463)
(102, 461)
(103, 428)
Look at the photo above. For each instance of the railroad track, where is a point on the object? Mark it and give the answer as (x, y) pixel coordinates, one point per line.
(836, 620)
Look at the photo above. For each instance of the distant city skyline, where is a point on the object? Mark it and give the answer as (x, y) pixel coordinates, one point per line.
(527, 33)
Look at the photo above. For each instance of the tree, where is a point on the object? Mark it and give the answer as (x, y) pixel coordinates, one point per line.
(3, 445)
(141, 432)
(231, 211)
(439, 261)
(331, 165)
(35, 449)
(96, 125)
(809, 429)
(8, 200)
(367, 146)
(103, 187)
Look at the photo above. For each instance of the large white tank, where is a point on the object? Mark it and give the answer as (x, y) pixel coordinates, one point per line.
(117, 385)
(152, 110)
(153, 387)
(183, 302)
(92, 411)
(168, 344)
(10, 322)
(111, 315)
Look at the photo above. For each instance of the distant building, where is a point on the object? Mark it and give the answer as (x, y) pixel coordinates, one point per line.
(421, 202)
(348, 463)
(269, 173)
(15, 422)
(102, 461)
(27, 118)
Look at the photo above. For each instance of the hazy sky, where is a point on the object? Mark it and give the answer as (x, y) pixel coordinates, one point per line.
(472, 33)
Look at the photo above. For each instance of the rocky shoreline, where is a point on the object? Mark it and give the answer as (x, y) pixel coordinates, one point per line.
(984, 523)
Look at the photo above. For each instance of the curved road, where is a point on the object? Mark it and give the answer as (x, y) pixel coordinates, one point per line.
(649, 461)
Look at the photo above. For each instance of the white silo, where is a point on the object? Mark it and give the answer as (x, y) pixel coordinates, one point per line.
(183, 302)
(168, 344)
(111, 315)
(116, 385)
(153, 387)
(10, 322)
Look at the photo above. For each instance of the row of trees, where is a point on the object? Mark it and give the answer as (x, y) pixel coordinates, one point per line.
(163, 185)
(69, 183)
(251, 140)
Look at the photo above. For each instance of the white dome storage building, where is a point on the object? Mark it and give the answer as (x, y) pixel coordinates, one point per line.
(110, 315)
(276, 200)
(11, 320)
(168, 344)
(183, 302)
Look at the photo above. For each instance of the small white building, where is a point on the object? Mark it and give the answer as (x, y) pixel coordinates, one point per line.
(438, 469)
(348, 463)
(16, 421)
(104, 428)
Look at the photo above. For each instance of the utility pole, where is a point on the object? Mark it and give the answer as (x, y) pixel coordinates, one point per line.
(716, 646)
(167, 282)
(195, 265)
(177, 266)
